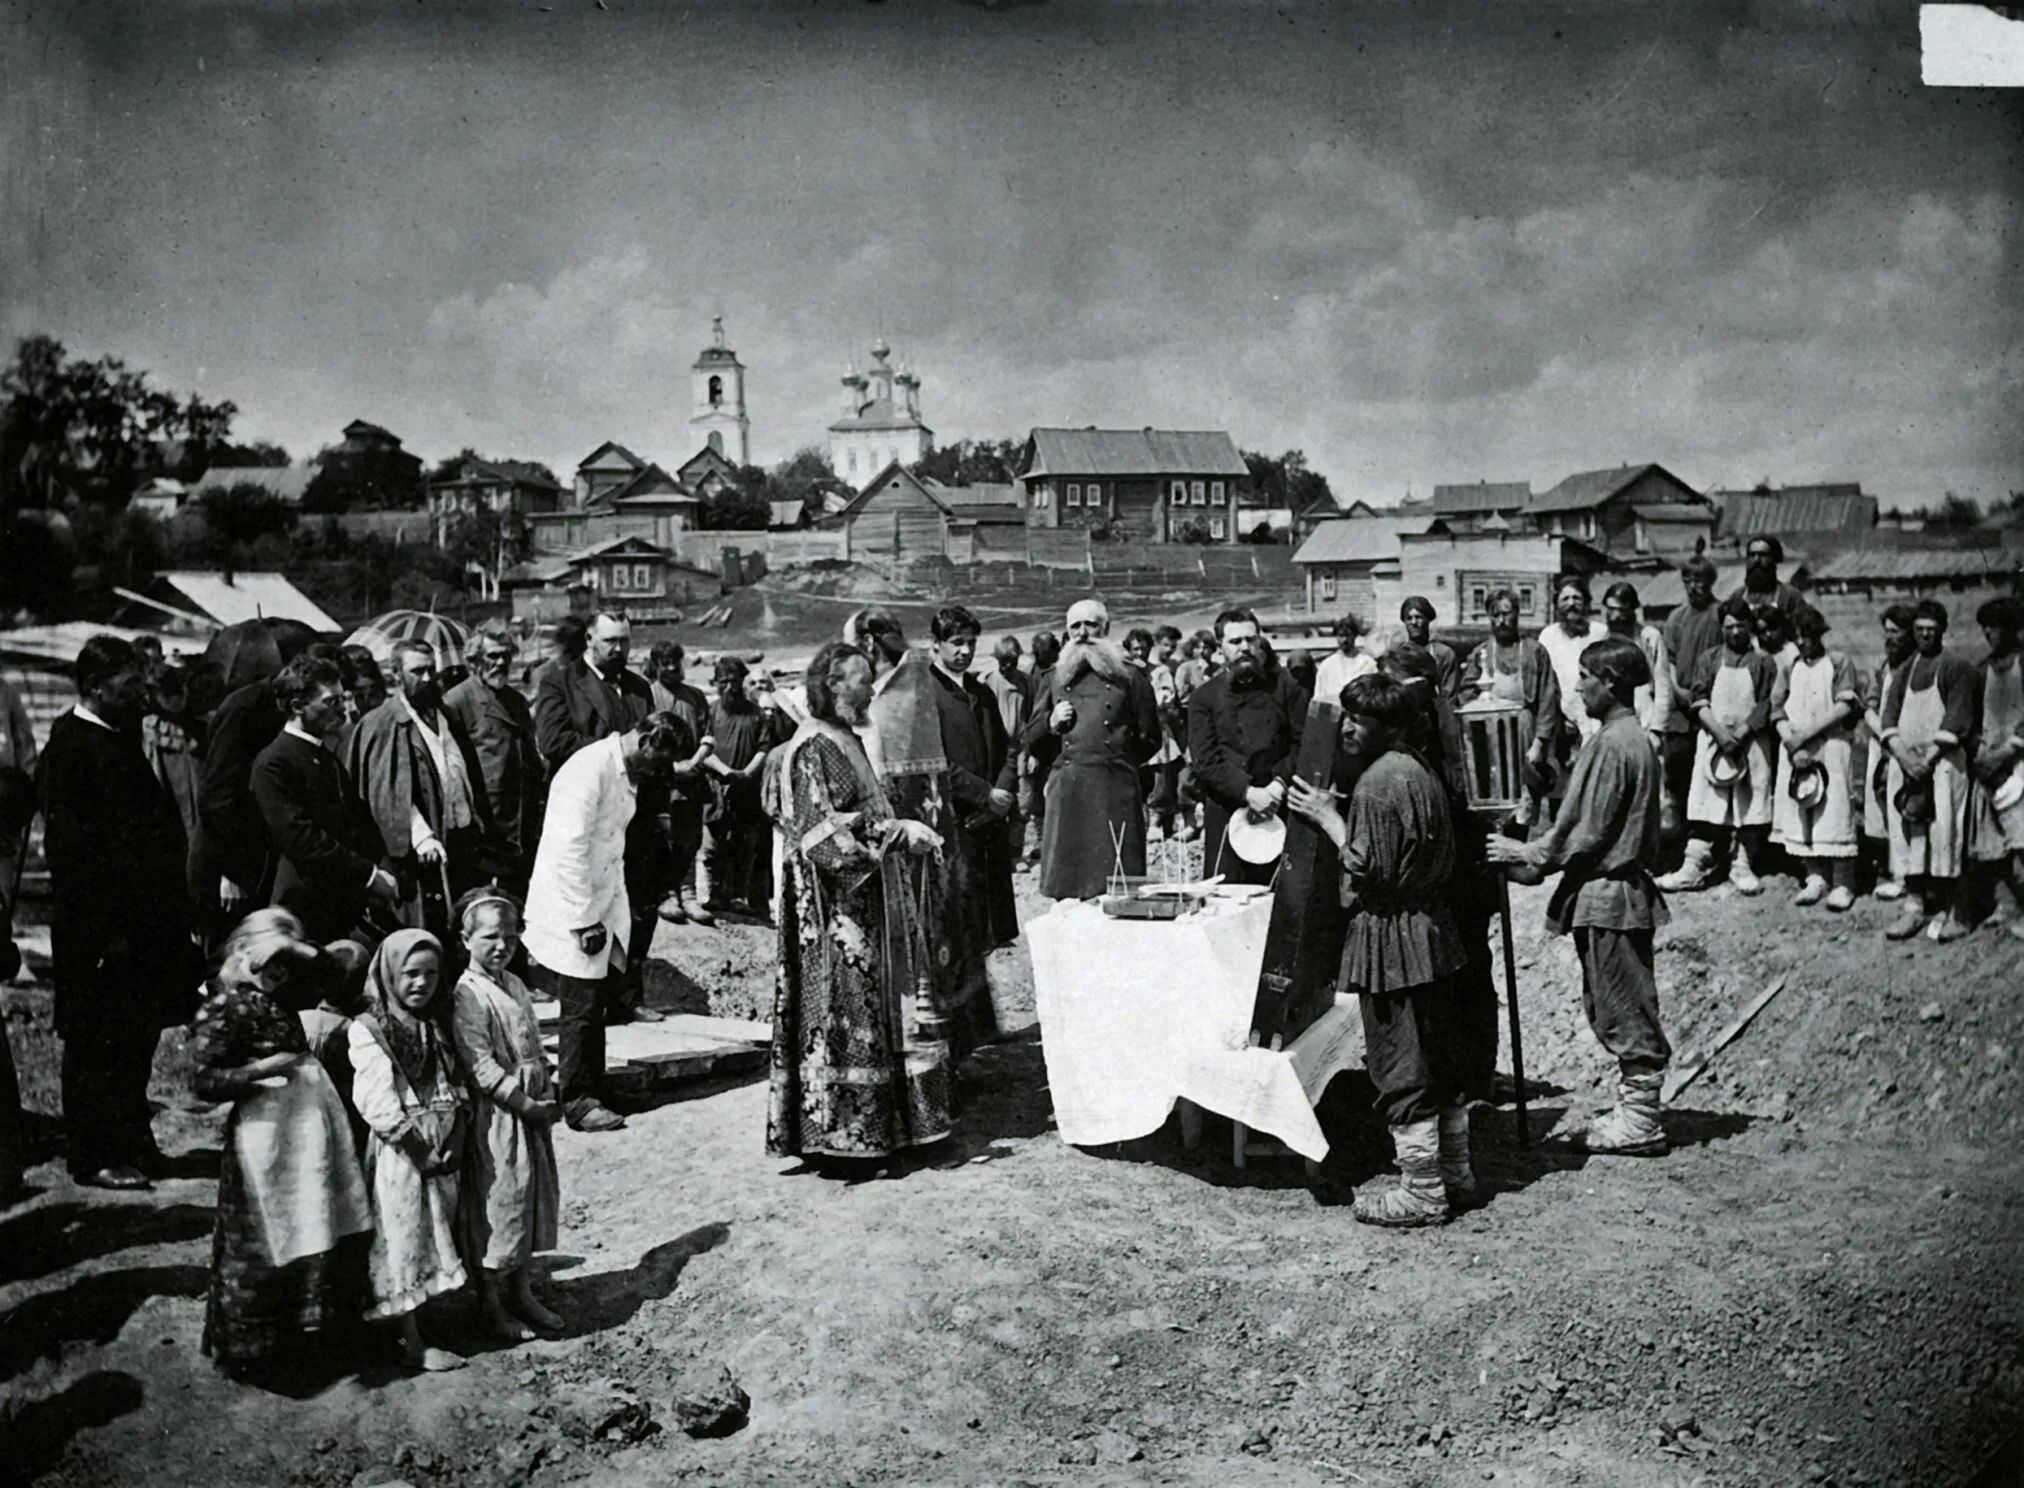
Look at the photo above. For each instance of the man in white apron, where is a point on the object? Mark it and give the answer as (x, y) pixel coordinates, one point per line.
(1814, 711)
(1564, 640)
(1927, 722)
(1996, 836)
(1512, 668)
(1897, 651)
(1729, 799)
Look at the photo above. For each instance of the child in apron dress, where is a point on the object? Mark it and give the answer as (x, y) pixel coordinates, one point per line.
(1875, 762)
(1996, 833)
(1729, 799)
(1928, 719)
(1814, 712)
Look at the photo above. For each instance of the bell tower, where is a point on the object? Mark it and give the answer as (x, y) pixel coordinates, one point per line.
(718, 384)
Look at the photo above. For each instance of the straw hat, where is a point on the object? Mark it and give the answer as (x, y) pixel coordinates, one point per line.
(1808, 785)
(1256, 839)
(1724, 770)
(1914, 801)
(2010, 792)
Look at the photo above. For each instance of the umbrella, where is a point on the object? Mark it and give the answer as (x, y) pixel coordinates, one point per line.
(254, 650)
(380, 636)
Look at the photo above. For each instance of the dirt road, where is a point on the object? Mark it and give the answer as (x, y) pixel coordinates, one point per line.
(1822, 1284)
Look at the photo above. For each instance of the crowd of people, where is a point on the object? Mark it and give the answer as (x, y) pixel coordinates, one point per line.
(348, 879)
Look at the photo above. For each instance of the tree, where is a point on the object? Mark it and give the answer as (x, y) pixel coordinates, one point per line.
(260, 453)
(1286, 481)
(243, 513)
(740, 505)
(364, 480)
(485, 544)
(971, 462)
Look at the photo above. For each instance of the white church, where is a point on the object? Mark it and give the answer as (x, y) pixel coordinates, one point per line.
(881, 420)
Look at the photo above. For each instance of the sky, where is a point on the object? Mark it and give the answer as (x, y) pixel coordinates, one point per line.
(1422, 244)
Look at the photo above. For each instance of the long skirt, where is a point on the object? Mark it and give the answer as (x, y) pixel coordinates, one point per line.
(846, 1081)
(288, 1252)
(414, 1254)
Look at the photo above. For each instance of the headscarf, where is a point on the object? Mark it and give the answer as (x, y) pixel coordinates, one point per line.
(414, 1040)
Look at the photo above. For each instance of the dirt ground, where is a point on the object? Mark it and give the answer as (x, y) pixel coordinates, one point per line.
(1821, 1284)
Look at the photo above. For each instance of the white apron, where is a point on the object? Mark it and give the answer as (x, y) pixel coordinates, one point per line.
(1564, 651)
(292, 1142)
(1826, 830)
(1935, 849)
(1997, 834)
(1509, 687)
(1747, 803)
(1873, 822)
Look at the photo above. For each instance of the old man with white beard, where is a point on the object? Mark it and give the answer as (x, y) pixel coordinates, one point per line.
(1095, 721)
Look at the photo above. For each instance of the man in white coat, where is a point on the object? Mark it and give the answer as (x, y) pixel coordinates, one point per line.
(578, 916)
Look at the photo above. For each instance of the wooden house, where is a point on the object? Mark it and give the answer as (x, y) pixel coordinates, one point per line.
(630, 573)
(509, 490)
(1149, 485)
(1486, 506)
(1459, 572)
(1603, 508)
(900, 518)
(1835, 509)
(1343, 558)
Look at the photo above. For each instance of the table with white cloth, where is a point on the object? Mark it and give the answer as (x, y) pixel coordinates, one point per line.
(1138, 1014)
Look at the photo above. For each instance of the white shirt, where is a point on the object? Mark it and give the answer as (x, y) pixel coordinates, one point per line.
(449, 763)
(1337, 671)
(579, 866)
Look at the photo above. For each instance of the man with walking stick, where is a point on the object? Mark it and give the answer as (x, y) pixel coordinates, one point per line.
(1602, 843)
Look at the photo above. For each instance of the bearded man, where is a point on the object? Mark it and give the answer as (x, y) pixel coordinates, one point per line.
(1243, 728)
(1094, 722)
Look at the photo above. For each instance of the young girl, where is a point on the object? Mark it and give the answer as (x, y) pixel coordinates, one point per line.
(405, 1085)
(511, 1199)
(292, 1208)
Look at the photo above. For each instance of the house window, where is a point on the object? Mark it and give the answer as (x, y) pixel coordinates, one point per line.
(1092, 495)
(1525, 605)
(1198, 495)
(1328, 586)
(1074, 495)
(1179, 493)
(1216, 528)
(643, 578)
(618, 574)
(1215, 493)
(716, 392)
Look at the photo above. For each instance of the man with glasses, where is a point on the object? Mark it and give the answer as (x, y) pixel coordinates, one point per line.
(501, 729)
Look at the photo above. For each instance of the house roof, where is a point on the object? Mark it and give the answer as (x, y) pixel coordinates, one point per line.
(1134, 452)
(1911, 564)
(518, 472)
(984, 495)
(1678, 514)
(245, 596)
(615, 448)
(880, 413)
(1483, 496)
(1824, 508)
(283, 482)
(1360, 539)
(362, 426)
(1588, 489)
(706, 458)
(1666, 590)
(650, 486)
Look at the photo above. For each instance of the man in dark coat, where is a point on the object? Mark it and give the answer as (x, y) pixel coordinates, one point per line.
(1243, 728)
(1033, 779)
(501, 728)
(585, 698)
(326, 844)
(738, 845)
(231, 865)
(689, 791)
(1094, 722)
(983, 774)
(414, 766)
(124, 965)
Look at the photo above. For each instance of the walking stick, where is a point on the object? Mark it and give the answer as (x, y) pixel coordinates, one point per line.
(1511, 1002)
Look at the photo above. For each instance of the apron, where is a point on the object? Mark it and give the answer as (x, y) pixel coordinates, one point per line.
(1996, 835)
(1747, 803)
(294, 1149)
(1828, 829)
(1935, 849)
(1564, 651)
(1873, 821)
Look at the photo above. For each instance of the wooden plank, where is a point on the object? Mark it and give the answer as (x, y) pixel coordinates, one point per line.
(1303, 944)
(1680, 1079)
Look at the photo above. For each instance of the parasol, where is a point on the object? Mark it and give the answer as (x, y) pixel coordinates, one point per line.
(254, 650)
(382, 634)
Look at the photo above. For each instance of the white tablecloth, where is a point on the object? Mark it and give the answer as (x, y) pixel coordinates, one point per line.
(1135, 1014)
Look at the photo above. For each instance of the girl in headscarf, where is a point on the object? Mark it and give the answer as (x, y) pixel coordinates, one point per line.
(405, 1084)
(511, 1200)
(292, 1207)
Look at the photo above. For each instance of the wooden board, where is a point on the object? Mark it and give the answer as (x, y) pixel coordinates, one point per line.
(1303, 944)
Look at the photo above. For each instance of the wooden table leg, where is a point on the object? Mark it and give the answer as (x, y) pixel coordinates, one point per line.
(1239, 1135)
(1191, 1126)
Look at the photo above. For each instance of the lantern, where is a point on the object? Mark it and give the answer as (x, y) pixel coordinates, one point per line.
(1493, 747)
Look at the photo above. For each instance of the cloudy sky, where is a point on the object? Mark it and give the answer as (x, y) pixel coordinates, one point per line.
(1499, 242)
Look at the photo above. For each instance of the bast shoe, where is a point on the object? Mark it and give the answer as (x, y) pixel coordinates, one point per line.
(1907, 924)
(1889, 889)
(1416, 1198)
(1840, 899)
(1945, 927)
(1630, 1128)
(1814, 891)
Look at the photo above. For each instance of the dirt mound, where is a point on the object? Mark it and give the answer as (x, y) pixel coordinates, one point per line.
(836, 578)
